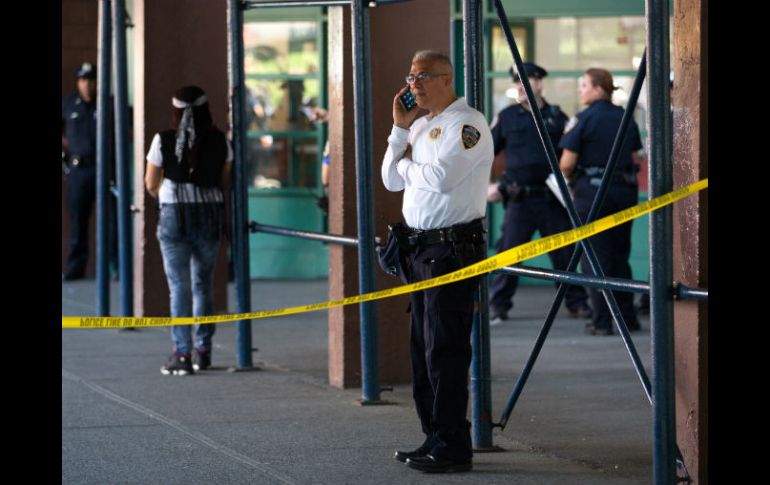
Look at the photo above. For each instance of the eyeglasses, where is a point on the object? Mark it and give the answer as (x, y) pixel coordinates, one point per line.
(423, 76)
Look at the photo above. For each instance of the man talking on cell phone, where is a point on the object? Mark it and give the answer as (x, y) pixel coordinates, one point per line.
(442, 162)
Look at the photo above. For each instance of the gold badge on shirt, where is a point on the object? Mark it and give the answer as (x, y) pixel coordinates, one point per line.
(435, 133)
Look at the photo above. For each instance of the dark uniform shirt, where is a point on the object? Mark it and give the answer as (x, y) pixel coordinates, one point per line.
(593, 135)
(525, 160)
(79, 119)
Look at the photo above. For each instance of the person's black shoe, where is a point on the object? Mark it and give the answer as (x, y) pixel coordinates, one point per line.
(201, 359)
(178, 365)
(72, 275)
(590, 329)
(423, 450)
(497, 317)
(402, 456)
(583, 311)
(431, 464)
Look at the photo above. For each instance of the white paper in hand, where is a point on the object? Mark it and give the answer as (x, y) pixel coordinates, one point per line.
(551, 183)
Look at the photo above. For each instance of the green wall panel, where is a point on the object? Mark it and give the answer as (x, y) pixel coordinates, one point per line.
(274, 256)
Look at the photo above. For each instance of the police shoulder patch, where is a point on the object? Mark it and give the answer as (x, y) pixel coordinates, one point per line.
(571, 124)
(470, 136)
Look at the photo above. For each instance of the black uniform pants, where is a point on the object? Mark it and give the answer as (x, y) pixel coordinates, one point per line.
(612, 248)
(81, 194)
(522, 219)
(441, 322)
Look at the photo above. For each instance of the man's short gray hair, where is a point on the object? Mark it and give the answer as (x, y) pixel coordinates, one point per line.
(432, 56)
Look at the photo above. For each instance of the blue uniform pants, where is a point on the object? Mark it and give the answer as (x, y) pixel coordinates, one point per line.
(522, 219)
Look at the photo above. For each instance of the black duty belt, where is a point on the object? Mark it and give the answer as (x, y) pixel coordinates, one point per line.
(595, 174)
(534, 191)
(81, 161)
(469, 232)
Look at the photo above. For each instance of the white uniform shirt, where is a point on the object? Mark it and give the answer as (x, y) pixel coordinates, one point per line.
(168, 186)
(445, 181)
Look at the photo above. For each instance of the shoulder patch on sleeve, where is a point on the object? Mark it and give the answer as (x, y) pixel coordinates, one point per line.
(571, 124)
(470, 136)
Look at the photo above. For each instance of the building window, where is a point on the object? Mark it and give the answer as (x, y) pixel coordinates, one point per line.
(566, 47)
(282, 63)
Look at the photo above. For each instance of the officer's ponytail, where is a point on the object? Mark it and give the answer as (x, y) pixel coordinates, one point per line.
(602, 78)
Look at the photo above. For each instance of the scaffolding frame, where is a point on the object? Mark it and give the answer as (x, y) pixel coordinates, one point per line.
(667, 459)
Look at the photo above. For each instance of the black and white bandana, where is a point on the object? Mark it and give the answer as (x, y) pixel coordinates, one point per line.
(186, 125)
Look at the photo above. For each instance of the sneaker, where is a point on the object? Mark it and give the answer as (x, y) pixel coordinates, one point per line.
(201, 359)
(178, 365)
(496, 317)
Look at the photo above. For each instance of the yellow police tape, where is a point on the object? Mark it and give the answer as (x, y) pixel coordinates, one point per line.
(506, 258)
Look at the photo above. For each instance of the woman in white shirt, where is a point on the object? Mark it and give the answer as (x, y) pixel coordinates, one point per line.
(188, 170)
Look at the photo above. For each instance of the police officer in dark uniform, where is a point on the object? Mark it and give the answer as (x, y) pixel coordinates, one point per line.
(78, 112)
(529, 203)
(586, 146)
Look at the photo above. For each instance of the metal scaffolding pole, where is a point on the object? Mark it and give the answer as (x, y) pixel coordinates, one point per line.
(481, 390)
(121, 159)
(103, 197)
(681, 292)
(239, 213)
(661, 254)
(362, 100)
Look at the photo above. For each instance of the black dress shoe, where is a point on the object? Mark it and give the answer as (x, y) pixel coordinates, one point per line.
(72, 275)
(431, 464)
(403, 455)
(583, 311)
(590, 329)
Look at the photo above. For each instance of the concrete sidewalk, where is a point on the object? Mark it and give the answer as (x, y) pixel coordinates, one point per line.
(582, 419)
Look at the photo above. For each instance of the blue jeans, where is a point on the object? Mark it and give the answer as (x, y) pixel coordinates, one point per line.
(189, 255)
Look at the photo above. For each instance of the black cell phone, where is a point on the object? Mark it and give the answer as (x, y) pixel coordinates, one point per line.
(407, 99)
